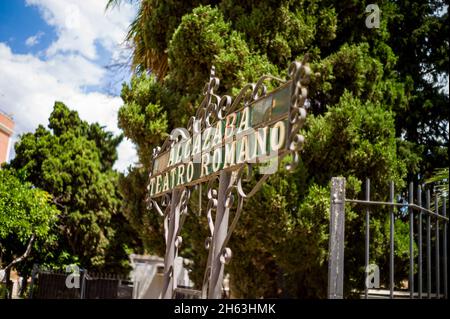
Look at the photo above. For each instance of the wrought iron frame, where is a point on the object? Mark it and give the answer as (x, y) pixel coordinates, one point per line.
(173, 206)
(416, 213)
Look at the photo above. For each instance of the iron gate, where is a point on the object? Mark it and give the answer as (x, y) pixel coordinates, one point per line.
(423, 222)
(52, 284)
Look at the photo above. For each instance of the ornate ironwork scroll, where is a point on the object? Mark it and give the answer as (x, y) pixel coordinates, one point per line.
(281, 112)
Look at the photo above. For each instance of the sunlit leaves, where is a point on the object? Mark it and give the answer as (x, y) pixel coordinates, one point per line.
(24, 209)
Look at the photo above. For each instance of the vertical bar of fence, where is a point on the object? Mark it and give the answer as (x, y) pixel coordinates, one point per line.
(35, 271)
(83, 283)
(445, 246)
(220, 233)
(438, 263)
(428, 247)
(366, 288)
(170, 255)
(336, 241)
(411, 240)
(200, 199)
(419, 203)
(391, 259)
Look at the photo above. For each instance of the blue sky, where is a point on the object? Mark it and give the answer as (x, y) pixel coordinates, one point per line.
(25, 31)
(57, 50)
(19, 22)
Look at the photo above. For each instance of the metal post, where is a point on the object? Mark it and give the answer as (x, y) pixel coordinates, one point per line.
(366, 288)
(438, 264)
(445, 246)
(174, 215)
(428, 247)
(419, 203)
(200, 199)
(391, 260)
(336, 241)
(34, 272)
(83, 283)
(220, 233)
(411, 241)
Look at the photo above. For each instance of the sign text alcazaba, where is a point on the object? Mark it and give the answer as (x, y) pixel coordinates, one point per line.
(255, 133)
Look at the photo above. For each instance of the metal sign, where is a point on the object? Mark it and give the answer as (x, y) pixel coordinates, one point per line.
(223, 141)
(253, 134)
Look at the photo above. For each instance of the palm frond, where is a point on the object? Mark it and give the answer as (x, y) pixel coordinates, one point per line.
(439, 180)
(145, 57)
(116, 3)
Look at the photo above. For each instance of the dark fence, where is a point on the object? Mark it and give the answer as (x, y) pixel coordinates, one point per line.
(52, 284)
(427, 276)
(186, 293)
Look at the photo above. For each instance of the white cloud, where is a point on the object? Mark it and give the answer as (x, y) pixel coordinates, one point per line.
(29, 85)
(80, 24)
(33, 40)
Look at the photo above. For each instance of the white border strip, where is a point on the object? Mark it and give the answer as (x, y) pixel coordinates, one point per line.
(6, 129)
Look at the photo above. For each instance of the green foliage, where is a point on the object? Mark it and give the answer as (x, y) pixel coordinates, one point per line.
(142, 117)
(353, 138)
(24, 211)
(440, 179)
(73, 162)
(203, 39)
(376, 111)
(284, 29)
(147, 226)
(422, 60)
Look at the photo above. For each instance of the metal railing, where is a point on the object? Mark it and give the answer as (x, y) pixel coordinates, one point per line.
(52, 284)
(187, 293)
(416, 213)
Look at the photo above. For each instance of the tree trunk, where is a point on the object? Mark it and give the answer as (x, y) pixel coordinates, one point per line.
(25, 254)
(7, 283)
(16, 261)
